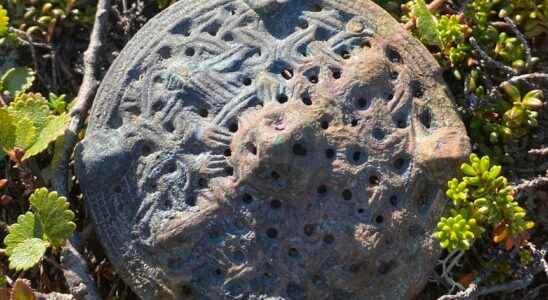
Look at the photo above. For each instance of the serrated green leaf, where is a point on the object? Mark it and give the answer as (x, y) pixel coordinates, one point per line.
(27, 227)
(17, 80)
(27, 254)
(7, 131)
(427, 24)
(32, 106)
(54, 128)
(54, 215)
(25, 132)
(4, 21)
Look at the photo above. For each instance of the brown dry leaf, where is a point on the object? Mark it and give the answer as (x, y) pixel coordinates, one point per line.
(22, 291)
(5, 199)
(4, 293)
(500, 233)
(466, 279)
(3, 183)
(509, 244)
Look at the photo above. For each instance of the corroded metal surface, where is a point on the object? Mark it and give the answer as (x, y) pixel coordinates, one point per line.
(260, 149)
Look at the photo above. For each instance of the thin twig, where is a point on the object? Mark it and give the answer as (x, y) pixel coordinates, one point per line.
(53, 296)
(474, 290)
(513, 285)
(23, 37)
(54, 263)
(447, 265)
(76, 273)
(530, 185)
(26, 39)
(78, 278)
(523, 40)
(539, 152)
(90, 83)
(489, 60)
(528, 77)
(470, 293)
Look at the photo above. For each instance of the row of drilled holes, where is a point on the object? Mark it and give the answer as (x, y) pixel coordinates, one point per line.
(276, 204)
(287, 74)
(322, 190)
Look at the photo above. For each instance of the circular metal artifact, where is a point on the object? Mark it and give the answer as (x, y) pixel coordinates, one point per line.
(271, 149)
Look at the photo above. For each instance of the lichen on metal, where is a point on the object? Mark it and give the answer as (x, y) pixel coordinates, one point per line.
(271, 149)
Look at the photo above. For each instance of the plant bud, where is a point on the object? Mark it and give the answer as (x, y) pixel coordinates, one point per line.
(58, 12)
(518, 64)
(33, 29)
(5, 199)
(45, 20)
(503, 13)
(46, 8)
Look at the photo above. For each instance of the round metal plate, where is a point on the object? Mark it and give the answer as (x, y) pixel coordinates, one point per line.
(280, 149)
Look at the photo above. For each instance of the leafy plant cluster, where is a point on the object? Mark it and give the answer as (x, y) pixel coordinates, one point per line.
(30, 122)
(530, 15)
(511, 118)
(482, 198)
(449, 34)
(493, 27)
(40, 18)
(48, 224)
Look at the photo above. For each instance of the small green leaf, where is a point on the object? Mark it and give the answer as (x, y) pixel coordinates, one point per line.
(4, 21)
(7, 131)
(494, 172)
(426, 23)
(484, 164)
(512, 92)
(54, 128)
(17, 80)
(57, 103)
(27, 227)
(25, 132)
(32, 106)
(468, 170)
(27, 254)
(533, 100)
(54, 215)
